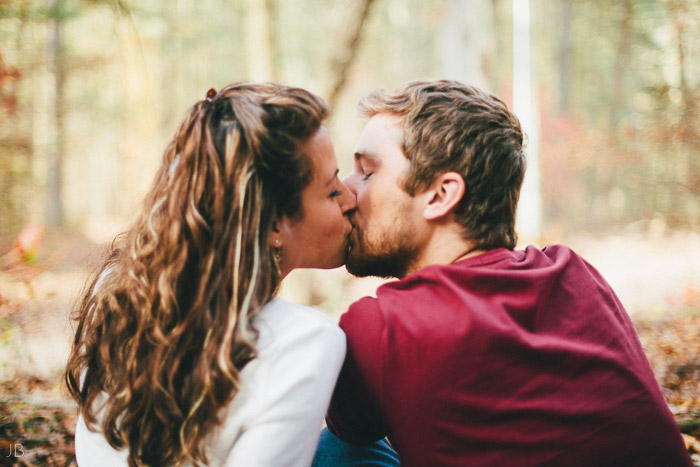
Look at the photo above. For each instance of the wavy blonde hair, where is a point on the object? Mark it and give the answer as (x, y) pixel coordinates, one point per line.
(165, 327)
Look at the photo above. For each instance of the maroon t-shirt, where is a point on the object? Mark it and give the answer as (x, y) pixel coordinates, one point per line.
(506, 358)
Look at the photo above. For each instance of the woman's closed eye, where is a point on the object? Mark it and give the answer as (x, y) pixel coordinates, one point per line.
(335, 193)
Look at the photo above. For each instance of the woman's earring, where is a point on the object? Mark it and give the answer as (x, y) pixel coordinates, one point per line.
(278, 251)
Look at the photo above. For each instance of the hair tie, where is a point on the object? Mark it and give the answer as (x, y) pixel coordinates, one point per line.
(213, 95)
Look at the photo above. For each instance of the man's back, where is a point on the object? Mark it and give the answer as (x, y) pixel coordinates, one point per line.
(506, 358)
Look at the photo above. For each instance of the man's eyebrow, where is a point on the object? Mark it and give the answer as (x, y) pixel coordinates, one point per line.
(335, 174)
(364, 155)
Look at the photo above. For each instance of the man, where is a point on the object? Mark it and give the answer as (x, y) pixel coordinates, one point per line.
(480, 354)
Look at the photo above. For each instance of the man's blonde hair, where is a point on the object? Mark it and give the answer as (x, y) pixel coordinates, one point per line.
(452, 127)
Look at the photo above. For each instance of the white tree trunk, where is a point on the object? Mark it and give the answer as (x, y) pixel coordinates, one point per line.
(466, 41)
(259, 44)
(54, 178)
(529, 221)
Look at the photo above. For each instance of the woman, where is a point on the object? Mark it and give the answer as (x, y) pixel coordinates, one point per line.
(181, 354)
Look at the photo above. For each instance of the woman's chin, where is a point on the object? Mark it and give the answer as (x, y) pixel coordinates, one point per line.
(335, 264)
(336, 260)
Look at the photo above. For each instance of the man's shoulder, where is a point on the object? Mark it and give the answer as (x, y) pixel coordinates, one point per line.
(364, 312)
(367, 320)
(396, 296)
(395, 302)
(387, 298)
(415, 298)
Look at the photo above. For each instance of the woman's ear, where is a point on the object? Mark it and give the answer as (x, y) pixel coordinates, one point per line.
(281, 233)
(276, 234)
(443, 195)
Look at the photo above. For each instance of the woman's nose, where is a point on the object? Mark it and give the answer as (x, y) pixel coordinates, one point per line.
(349, 182)
(348, 201)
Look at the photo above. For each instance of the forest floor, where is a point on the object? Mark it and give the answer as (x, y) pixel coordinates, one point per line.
(656, 277)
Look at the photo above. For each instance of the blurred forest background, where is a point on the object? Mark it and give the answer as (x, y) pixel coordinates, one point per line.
(91, 91)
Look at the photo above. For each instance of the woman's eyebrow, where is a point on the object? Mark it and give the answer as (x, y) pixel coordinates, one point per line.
(335, 174)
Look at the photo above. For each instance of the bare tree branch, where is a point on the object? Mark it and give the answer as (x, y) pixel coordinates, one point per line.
(271, 16)
(342, 63)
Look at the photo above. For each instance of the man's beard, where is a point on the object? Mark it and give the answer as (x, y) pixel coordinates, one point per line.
(389, 256)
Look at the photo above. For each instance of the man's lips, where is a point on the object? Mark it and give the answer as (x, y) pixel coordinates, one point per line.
(351, 228)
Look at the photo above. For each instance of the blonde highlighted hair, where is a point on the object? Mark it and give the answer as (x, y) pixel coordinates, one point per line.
(165, 327)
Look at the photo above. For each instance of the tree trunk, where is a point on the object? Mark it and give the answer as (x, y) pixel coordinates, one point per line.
(564, 56)
(139, 120)
(348, 52)
(270, 19)
(465, 44)
(687, 167)
(173, 75)
(525, 106)
(259, 31)
(54, 178)
(498, 77)
(621, 61)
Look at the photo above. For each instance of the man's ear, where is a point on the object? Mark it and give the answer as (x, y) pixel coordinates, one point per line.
(443, 195)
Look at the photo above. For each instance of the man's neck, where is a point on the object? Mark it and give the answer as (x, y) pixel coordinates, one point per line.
(444, 247)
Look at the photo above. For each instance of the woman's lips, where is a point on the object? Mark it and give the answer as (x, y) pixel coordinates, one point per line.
(348, 248)
(350, 229)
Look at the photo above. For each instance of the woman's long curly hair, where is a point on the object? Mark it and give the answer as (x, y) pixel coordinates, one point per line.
(165, 327)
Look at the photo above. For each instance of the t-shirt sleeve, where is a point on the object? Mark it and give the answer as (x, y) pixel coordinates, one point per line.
(354, 414)
(292, 398)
